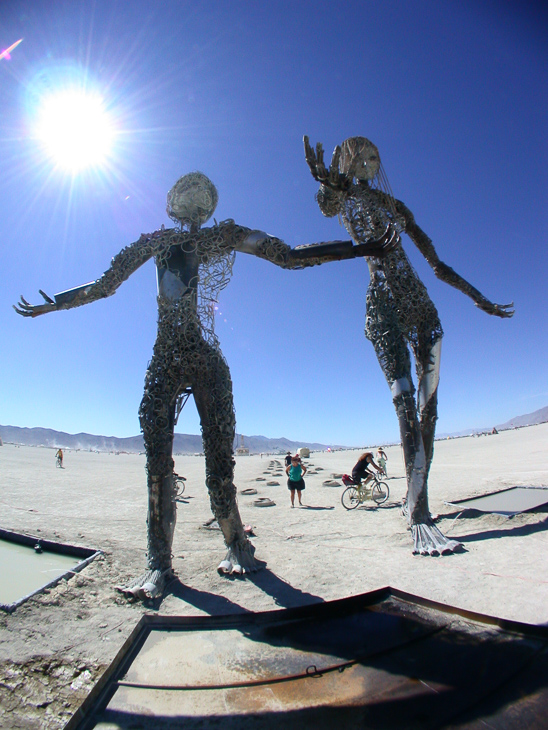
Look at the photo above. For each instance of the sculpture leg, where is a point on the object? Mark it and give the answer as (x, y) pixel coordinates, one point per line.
(383, 329)
(427, 358)
(213, 396)
(157, 416)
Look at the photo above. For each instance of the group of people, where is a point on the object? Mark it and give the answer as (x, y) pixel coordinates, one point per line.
(361, 474)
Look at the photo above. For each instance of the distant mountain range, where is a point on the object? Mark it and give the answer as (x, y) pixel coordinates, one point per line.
(192, 444)
(182, 443)
(528, 419)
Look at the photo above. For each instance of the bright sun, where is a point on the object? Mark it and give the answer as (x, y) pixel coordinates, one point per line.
(75, 129)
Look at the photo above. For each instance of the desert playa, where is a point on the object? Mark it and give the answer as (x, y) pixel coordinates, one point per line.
(54, 647)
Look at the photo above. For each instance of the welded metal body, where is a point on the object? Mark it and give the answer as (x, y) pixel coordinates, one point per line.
(193, 265)
(400, 315)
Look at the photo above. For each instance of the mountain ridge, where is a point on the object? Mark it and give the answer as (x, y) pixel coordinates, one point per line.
(192, 443)
(182, 443)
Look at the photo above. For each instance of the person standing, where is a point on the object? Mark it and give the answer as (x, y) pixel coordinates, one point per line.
(382, 458)
(295, 481)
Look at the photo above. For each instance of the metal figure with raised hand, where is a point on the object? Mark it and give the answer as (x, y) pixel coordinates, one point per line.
(399, 312)
(193, 265)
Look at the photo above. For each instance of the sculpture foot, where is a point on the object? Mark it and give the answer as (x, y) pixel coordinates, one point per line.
(149, 585)
(429, 540)
(239, 560)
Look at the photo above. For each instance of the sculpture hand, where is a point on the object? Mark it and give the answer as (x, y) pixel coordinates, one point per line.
(497, 310)
(35, 310)
(330, 177)
(379, 247)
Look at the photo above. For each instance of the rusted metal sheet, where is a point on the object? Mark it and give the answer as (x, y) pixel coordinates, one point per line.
(380, 660)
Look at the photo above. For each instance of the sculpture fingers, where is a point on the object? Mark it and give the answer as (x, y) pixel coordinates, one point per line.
(310, 157)
(497, 310)
(32, 310)
(334, 174)
(321, 169)
(382, 246)
(23, 307)
(22, 312)
(49, 300)
(504, 310)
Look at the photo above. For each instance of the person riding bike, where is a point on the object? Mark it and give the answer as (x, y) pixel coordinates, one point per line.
(360, 470)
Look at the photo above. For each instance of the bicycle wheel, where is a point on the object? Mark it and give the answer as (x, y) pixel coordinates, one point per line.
(350, 498)
(380, 492)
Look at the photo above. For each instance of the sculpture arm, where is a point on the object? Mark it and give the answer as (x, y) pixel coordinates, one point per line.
(121, 268)
(443, 271)
(277, 252)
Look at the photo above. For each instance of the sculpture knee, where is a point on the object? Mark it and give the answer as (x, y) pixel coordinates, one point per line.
(222, 494)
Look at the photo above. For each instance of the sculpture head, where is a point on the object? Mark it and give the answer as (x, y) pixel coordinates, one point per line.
(359, 158)
(192, 199)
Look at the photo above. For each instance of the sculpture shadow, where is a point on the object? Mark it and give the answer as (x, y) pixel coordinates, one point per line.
(283, 593)
(209, 603)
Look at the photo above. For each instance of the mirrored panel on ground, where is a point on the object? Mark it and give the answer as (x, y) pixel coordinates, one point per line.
(29, 564)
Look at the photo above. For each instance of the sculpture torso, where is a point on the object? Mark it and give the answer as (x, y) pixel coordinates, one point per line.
(192, 269)
(366, 215)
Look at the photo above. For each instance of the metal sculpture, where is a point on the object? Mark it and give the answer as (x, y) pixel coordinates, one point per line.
(399, 312)
(193, 265)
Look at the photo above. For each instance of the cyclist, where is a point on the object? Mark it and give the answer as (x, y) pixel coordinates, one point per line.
(59, 457)
(360, 470)
(382, 458)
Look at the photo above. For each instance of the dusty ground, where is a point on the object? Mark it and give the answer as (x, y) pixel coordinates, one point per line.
(54, 647)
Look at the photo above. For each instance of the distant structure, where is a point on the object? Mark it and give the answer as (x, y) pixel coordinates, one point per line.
(242, 449)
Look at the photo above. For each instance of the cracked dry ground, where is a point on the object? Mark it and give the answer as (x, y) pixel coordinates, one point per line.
(54, 648)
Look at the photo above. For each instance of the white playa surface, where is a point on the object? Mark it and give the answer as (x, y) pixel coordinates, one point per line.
(55, 646)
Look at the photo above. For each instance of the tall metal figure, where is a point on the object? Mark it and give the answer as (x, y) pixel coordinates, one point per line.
(193, 265)
(399, 312)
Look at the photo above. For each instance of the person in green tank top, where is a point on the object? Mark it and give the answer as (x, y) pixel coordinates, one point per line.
(295, 481)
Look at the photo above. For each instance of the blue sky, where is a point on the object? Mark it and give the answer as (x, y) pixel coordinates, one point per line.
(452, 93)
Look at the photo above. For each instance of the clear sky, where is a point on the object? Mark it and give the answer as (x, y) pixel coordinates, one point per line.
(452, 93)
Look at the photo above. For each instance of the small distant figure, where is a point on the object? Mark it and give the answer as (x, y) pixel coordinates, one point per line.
(295, 482)
(361, 471)
(288, 459)
(59, 458)
(382, 458)
(494, 432)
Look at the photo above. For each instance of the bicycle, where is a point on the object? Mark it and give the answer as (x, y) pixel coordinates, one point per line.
(178, 486)
(58, 462)
(355, 494)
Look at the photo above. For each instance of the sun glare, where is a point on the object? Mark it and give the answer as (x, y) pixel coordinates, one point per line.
(75, 129)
